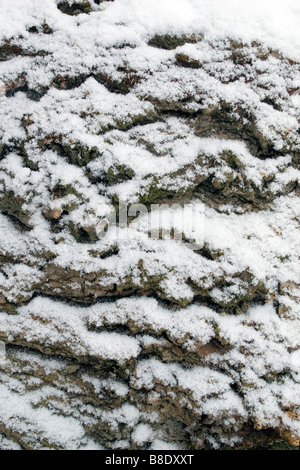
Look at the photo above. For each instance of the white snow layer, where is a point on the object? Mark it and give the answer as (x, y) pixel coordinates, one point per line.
(274, 22)
(262, 347)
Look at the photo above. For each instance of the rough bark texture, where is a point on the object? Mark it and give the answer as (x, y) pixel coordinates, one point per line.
(185, 377)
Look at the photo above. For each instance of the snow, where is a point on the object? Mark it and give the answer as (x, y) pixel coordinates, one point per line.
(59, 430)
(275, 23)
(54, 319)
(264, 338)
(142, 433)
(256, 375)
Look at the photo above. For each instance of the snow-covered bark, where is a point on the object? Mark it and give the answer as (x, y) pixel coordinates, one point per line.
(178, 327)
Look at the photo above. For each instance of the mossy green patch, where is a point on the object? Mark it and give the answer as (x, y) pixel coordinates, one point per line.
(169, 42)
(119, 173)
(75, 8)
(12, 205)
